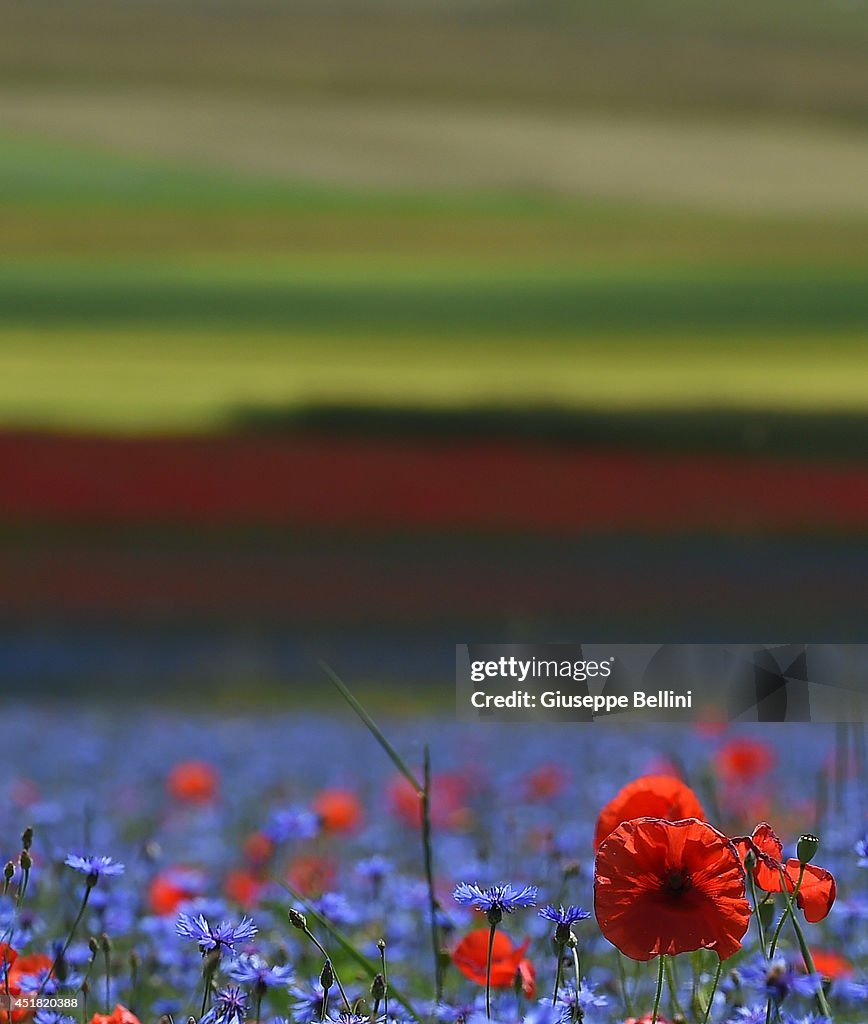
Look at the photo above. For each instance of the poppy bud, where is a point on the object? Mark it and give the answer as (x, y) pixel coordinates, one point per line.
(8, 870)
(25, 860)
(378, 988)
(381, 945)
(327, 976)
(105, 943)
(27, 837)
(93, 945)
(807, 848)
(297, 919)
(749, 861)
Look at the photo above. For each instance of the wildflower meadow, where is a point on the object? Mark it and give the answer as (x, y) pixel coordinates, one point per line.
(251, 868)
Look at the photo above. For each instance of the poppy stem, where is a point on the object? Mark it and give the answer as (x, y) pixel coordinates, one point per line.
(628, 1002)
(673, 988)
(713, 992)
(492, 930)
(659, 993)
(756, 913)
(790, 898)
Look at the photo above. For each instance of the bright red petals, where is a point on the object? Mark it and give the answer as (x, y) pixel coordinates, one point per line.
(651, 796)
(663, 887)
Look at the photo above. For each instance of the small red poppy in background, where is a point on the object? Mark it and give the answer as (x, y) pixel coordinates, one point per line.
(243, 888)
(311, 875)
(257, 849)
(120, 1015)
(545, 783)
(171, 888)
(669, 887)
(470, 956)
(744, 760)
(192, 782)
(19, 968)
(830, 965)
(648, 1019)
(448, 807)
(818, 890)
(651, 796)
(339, 810)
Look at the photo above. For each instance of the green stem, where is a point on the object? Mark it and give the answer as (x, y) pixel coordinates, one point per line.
(713, 992)
(673, 988)
(69, 939)
(656, 1009)
(560, 955)
(492, 930)
(790, 898)
(429, 875)
(628, 1002)
(577, 967)
(756, 913)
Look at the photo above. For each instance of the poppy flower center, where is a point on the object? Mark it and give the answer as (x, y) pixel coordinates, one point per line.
(677, 882)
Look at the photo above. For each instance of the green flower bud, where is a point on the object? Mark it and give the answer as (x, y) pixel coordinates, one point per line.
(807, 848)
(327, 976)
(297, 919)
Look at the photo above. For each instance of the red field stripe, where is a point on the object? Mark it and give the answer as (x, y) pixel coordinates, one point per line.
(376, 485)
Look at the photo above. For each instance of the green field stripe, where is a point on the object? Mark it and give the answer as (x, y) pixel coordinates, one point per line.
(510, 306)
(164, 380)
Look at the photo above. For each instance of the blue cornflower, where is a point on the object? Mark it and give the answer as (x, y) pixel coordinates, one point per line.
(306, 1003)
(575, 1005)
(253, 970)
(52, 1017)
(94, 867)
(223, 937)
(495, 900)
(861, 850)
(565, 916)
(230, 1008)
(292, 823)
(778, 979)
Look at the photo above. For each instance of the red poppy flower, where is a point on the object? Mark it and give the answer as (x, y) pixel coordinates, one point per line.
(744, 760)
(311, 875)
(470, 956)
(339, 810)
(545, 783)
(651, 796)
(818, 890)
(668, 887)
(20, 967)
(120, 1015)
(648, 1019)
(172, 888)
(258, 848)
(243, 888)
(831, 965)
(448, 801)
(192, 782)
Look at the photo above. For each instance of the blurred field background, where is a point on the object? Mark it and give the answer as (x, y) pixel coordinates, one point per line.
(337, 327)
